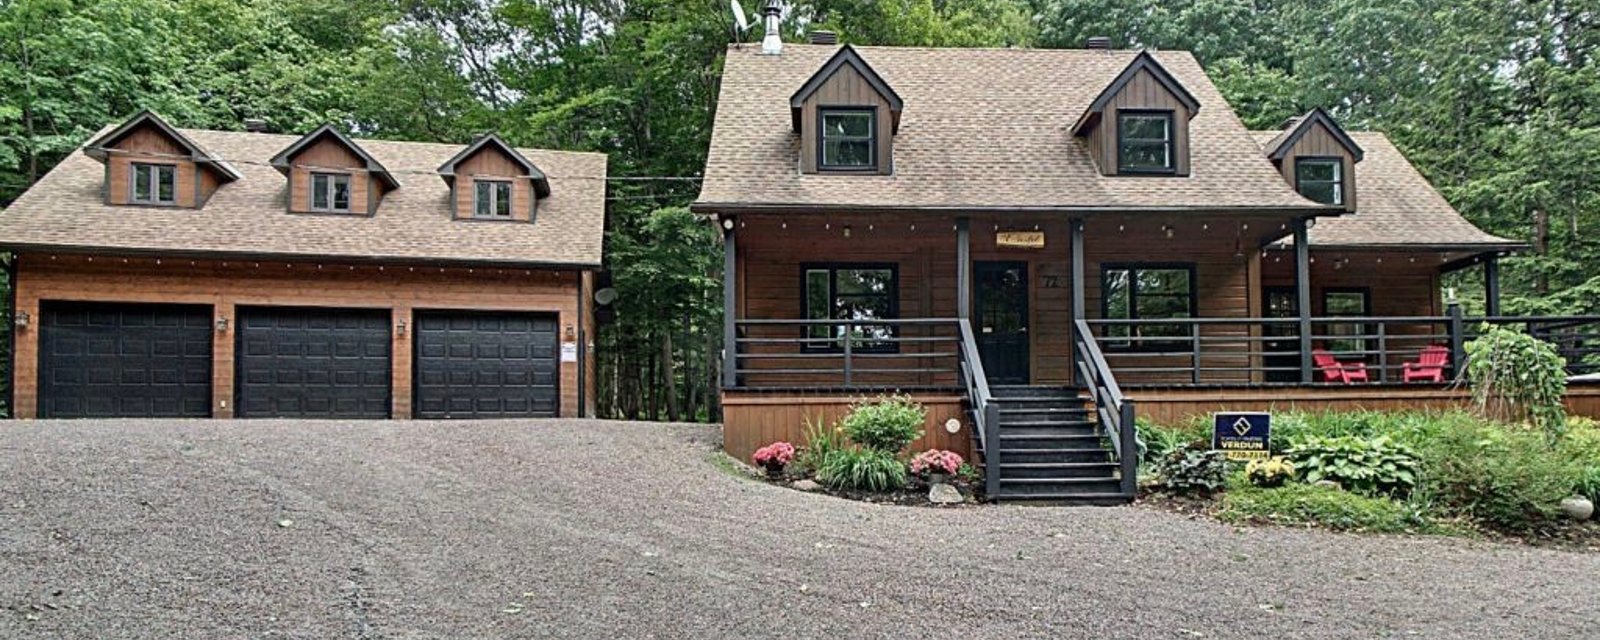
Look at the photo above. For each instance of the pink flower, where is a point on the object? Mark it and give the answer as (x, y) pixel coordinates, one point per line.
(775, 454)
(936, 461)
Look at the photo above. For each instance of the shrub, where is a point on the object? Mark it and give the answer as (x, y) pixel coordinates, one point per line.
(936, 461)
(1371, 466)
(1272, 472)
(821, 440)
(1156, 442)
(1506, 478)
(1320, 505)
(1588, 484)
(1517, 377)
(887, 424)
(862, 470)
(774, 456)
(1195, 468)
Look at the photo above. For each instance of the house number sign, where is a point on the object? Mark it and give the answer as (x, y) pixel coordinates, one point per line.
(1019, 239)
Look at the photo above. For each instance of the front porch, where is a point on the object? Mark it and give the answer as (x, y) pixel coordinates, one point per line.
(1176, 316)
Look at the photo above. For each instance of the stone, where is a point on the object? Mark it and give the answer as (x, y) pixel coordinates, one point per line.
(942, 493)
(1327, 484)
(806, 485)
(1578, 508)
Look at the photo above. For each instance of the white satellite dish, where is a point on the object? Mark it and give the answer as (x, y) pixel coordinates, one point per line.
(738, 15)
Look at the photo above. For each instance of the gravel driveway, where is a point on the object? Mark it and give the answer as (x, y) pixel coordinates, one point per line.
(596, 529)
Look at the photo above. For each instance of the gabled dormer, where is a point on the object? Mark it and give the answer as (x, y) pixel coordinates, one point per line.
(329, 173)
(149, 163)
(1139, 124)
(1318, 159)
(489, 180)
(847, 117)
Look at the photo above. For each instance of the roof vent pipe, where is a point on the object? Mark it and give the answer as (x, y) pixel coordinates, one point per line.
(824, 37)
(771, 17)
(255, 125)
(1097, 42)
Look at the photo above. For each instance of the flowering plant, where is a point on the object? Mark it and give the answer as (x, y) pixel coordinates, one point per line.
(775, 455)
(1272, 472)
(936, 461)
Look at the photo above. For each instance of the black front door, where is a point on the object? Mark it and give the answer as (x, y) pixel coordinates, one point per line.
(1281, 340)
(1000, 295)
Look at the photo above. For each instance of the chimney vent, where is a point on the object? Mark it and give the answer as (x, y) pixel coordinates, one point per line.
(771, 21)
(1097, 42)
(824, 37)
(255, 125)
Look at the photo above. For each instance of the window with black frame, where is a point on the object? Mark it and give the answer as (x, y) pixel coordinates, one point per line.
(856, 292)
(1320, 179)
(1144, 142)
(1346, 303)
(1147, 292)
(848, 139)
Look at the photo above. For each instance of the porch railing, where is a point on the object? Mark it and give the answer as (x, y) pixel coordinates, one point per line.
(985, 413)
(908, 354)
(1576, 338)
(1114, 411)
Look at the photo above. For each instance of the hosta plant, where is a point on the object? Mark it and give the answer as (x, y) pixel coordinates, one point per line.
(1376, 466)
(1195, 468)
(1271, 472)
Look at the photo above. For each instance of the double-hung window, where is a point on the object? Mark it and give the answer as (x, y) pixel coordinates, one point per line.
(1320, 179)
(849, 139)
(154, 184)
(853, 292)
(1346, 303)
(330, 192)
(1144, 142)
(1148, 292)
(491, 199)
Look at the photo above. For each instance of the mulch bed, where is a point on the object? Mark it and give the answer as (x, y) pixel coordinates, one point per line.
(914, 495)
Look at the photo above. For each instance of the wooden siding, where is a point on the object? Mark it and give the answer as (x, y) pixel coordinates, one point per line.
(149, 144)
(328, 155)
(846, 88)
(489, 163)
(1143, 92)
(1177, 406)
(1319, 142)
(1402, 283)
(226, 285)
(754, 420)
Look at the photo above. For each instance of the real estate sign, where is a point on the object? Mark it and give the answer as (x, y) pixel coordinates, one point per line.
(1242, 435)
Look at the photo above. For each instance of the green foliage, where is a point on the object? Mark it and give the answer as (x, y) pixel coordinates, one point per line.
(1508, 478)
(1376, 466)
(1272, 472)
(1157, 442)
(862, 469)
(1588, 484)
(1193, 469)
(1518, 377)
(821, 440)
(1323, 506)
(886, 424)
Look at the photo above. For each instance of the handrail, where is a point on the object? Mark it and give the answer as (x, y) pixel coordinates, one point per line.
(985, 413)
(1115, 411)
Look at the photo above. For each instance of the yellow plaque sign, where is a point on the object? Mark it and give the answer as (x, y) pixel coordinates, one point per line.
(1020, 239)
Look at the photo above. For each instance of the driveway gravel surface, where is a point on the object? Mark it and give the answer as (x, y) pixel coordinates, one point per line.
(564, 528)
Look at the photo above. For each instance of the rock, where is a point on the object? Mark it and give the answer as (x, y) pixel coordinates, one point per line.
(942, 493)
(806, 485)
(1327, 484)
(285, 523)
(1577, 508)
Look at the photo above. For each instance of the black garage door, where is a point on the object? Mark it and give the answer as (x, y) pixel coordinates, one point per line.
(486, 365)
(99, 360)
(304, 362)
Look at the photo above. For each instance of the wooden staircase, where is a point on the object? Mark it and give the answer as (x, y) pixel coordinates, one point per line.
(1051, 449)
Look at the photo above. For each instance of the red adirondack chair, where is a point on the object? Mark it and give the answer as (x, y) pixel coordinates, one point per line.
(1335, 371)
(1429, 366)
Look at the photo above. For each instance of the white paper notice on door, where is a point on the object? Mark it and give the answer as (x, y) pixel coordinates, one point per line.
(569, 352)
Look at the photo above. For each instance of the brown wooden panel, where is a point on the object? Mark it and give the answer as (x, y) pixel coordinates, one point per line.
(846, 88)
(1318, 141)
(491, 163)
(754, 420)
(228, 284)
(148, 144)
(1177, 406)
(1142, 92)
(328, 155)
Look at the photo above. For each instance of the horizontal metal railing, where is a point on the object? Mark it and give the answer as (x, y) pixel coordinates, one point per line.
(905, 353)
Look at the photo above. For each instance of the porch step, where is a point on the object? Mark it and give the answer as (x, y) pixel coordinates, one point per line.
(1018, 470)
(1049, 456)
(1050, 448)
(1010, 392)
(1012, 441)
(1028, 487)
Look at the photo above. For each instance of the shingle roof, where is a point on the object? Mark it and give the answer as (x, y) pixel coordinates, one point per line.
(414, 223)
(982, 128)
(1395, 206)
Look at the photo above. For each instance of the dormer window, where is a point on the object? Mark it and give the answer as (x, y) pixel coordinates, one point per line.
(330, 192)
(1320, 179)
(492, 199)
(1144, 142)
(154, 184)
(848, 141)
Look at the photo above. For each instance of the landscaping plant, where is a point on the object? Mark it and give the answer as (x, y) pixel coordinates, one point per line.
(886, 424)
(1194, 468)
(1156, 441)
(821, 439)
(1271, 472)
(863, 469)
(936, 461)
(1507, 478)
(1376, 466)
(1320, 505)
(1516, 377)
(774, 457)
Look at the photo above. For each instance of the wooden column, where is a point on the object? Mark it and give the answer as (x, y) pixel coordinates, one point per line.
(730, 301)
(1491, 285)
(222, 358)
(1078, 296)
(963, 268)
(1302, 286)
(402, 328)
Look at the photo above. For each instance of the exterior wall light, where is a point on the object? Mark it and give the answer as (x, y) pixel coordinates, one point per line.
(23, 319)
(400, 327)
(222, 324)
